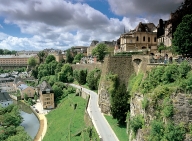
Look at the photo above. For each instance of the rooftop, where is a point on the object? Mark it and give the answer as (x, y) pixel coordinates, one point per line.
(17, 56)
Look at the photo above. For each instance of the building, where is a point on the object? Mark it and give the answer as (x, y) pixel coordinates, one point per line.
(28, 90)
(91, 47)
(163, 33)
(46, 95)
(94, 43)
(57, 54)
(16, 60)
(142, 38)
(79, 49)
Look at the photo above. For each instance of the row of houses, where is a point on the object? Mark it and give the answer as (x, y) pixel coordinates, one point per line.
(44, 90)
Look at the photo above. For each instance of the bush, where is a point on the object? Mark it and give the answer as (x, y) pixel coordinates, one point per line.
(93, 79)
(167, 108)
(136, 123)
(145, 103)
(134, 83)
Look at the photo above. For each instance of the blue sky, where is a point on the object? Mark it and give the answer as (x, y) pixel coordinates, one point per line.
(61, 24)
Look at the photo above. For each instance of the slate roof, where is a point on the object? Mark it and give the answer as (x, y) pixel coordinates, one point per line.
(22, 86)
(145, 27)
(44, 85)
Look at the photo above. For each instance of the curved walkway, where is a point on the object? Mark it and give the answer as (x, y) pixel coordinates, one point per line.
(100, 123)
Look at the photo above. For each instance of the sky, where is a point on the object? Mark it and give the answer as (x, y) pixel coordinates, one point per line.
(61, 24)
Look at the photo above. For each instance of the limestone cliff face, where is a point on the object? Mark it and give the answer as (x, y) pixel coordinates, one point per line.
(182, 107)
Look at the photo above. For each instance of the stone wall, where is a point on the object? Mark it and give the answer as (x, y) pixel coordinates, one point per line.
(123, 67)
(89, 67)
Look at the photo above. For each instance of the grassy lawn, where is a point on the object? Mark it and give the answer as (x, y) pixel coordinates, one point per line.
(66, 123)
(119, 131)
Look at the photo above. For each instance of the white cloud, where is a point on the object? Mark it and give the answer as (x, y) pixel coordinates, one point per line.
(64, 23)
(150, 9)
(1, 26)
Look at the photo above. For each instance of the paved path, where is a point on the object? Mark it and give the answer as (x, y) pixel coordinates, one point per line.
(104, 130)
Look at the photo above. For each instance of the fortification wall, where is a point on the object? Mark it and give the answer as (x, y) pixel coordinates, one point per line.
(123, 67)
(89, 67)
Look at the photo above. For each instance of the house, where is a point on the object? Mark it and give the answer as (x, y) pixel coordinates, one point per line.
(142, 38)
(46, 95)
(94, 43)
(163, 33)
(28, 90)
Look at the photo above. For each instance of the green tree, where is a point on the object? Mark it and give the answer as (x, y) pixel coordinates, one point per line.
(161, 47)
(66, 74)
(41, 56)
(49, 59)
(100, 51)
(80, 76)
(57, 92)
(78, 57)
(32, 61)
(69, 57)
(1, 51)
(93, 79)
(119, 104)
(182, 41)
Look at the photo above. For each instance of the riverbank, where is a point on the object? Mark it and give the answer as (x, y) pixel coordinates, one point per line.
(42, 120)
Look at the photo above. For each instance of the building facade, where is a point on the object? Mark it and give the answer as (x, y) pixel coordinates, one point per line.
(46, 95)
(28, 90)
(143, 37)
(16, 60)
(163, 33)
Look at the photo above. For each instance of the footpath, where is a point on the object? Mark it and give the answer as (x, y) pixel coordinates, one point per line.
(101, 125)
(40, 113)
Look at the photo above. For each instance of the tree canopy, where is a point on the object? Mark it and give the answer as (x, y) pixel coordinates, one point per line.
(49, 59)
(100, 51)
(176, 17)
(32, 61)
(182, 41)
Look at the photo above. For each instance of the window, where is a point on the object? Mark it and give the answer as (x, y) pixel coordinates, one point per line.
(155, 39)
(137, 38)
(148, 39)
(144, 38)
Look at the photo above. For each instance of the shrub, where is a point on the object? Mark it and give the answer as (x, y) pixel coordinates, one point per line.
(136, 123)
(167, 107)
(145, 103)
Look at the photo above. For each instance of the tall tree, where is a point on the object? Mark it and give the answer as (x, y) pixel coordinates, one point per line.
(100, 51)
(49, 59)
(69, 57)
(32, 61)
(41, 56)
(182, 41)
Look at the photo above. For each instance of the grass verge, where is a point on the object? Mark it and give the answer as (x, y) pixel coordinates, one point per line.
(66, 122)
(120, 131)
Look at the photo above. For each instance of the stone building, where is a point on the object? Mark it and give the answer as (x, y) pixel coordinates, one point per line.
(91, 47)
(16, 60)
(163, 33)
(28, 90)
(94, 43)
(56, 53)
(142, 38)
(46, 95)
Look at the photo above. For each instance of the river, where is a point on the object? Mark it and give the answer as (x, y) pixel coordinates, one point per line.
(30, 121)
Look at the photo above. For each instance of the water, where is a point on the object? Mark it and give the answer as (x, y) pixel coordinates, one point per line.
(30, 121)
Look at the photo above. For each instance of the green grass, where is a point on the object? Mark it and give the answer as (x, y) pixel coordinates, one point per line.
(66, 123)
(119, 131)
